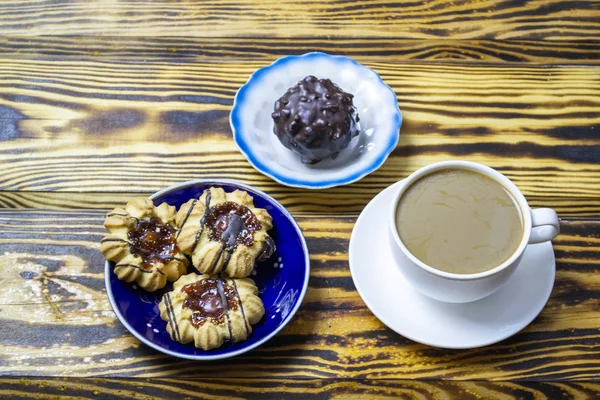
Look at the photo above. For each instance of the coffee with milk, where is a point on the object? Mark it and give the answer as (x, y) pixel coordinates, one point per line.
(459, 221)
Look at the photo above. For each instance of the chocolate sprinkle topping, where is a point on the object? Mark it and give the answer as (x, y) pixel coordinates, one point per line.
(316, 119)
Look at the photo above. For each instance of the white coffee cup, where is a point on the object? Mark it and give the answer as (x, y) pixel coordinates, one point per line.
(539, 225)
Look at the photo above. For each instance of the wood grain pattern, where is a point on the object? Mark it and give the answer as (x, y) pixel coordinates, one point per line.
(95, 388)
(56, 320)
(86, 122)
(122, 126)
(463, 19)
(102, 100)
(268, 49)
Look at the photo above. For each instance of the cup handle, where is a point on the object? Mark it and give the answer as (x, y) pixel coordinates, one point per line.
(544, 225)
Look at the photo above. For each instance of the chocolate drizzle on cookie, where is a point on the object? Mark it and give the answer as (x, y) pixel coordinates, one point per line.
(203, 220)
(241, 307)
(172, 319)
(153, 242)
(187, 216)
(229, 303)
(267, 250)
(114, 214)
(146, 271)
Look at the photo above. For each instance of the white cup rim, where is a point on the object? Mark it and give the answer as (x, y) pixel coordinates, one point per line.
(472, 166)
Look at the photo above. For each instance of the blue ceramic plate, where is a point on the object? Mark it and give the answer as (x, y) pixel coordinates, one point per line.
(252, 126)
(282, 281)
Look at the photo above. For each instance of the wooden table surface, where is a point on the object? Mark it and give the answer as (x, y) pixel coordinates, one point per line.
(104, 100)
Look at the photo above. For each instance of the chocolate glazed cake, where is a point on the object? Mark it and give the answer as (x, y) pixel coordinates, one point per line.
(315, 119)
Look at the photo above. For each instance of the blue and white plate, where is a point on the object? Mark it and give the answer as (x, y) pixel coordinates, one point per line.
(282, 281)
(252, 126)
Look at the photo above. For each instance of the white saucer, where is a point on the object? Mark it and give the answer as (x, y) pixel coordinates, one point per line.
(376, 104)
(455, 326)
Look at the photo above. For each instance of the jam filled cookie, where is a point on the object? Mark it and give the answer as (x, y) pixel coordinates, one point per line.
(211, 309)
(224, 232)
(142, 243)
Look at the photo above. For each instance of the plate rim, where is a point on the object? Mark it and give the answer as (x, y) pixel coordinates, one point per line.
(383, 320)
(287, 319)
(234, 122)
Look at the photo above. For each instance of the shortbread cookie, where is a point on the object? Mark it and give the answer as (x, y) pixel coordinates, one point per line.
(211, 309)
(224, 232)
(142, 243)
